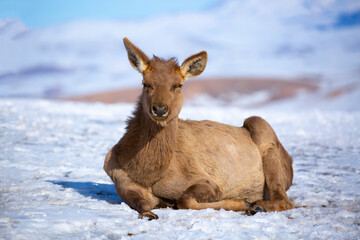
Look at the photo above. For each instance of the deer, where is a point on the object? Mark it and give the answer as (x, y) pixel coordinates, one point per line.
(162, 161)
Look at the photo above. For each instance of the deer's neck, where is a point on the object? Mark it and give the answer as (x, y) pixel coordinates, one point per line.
(147, 147)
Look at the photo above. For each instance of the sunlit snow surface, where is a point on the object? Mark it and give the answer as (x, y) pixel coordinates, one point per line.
(53, 187)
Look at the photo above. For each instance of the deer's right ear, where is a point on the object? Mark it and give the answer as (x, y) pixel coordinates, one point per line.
(137, 58)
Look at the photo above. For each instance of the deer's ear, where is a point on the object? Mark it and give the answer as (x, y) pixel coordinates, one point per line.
(137, 58)
(194, 65)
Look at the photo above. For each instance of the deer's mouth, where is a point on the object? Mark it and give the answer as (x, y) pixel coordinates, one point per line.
(157, 118)
(161, 120)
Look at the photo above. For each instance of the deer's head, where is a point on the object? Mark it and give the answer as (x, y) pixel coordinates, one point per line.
(162, 81)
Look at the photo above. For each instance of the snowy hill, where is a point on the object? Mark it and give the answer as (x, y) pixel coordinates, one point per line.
(284, 39)
(53, 185)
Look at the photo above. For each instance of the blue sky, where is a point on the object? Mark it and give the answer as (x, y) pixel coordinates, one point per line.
(39, 13)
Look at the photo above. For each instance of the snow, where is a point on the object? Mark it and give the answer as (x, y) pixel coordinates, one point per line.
(52, 185)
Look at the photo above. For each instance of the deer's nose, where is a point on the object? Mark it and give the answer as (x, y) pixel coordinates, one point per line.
(159, 111)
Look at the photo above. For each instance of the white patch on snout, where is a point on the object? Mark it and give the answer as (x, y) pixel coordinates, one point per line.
(162, 123)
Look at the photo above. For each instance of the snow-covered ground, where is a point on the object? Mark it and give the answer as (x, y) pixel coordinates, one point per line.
(52, 185)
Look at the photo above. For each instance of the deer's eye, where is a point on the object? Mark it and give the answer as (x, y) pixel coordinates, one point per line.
(147, 86)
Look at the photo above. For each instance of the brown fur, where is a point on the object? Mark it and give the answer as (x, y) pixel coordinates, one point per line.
(164, 161)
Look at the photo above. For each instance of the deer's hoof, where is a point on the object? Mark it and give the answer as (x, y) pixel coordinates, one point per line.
(149, 215)
(254, 210)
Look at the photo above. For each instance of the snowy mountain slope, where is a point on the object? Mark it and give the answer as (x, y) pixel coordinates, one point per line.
(53, 186)
(286, 39)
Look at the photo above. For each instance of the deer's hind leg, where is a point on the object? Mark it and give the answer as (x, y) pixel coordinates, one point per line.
(277, 166)
(206, 194)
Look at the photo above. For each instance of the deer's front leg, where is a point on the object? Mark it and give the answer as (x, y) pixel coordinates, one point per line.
(136, 196)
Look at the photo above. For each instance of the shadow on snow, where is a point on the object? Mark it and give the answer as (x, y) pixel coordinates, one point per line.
(98, 191)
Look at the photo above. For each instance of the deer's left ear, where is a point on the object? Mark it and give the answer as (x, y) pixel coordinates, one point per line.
(194, 65)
